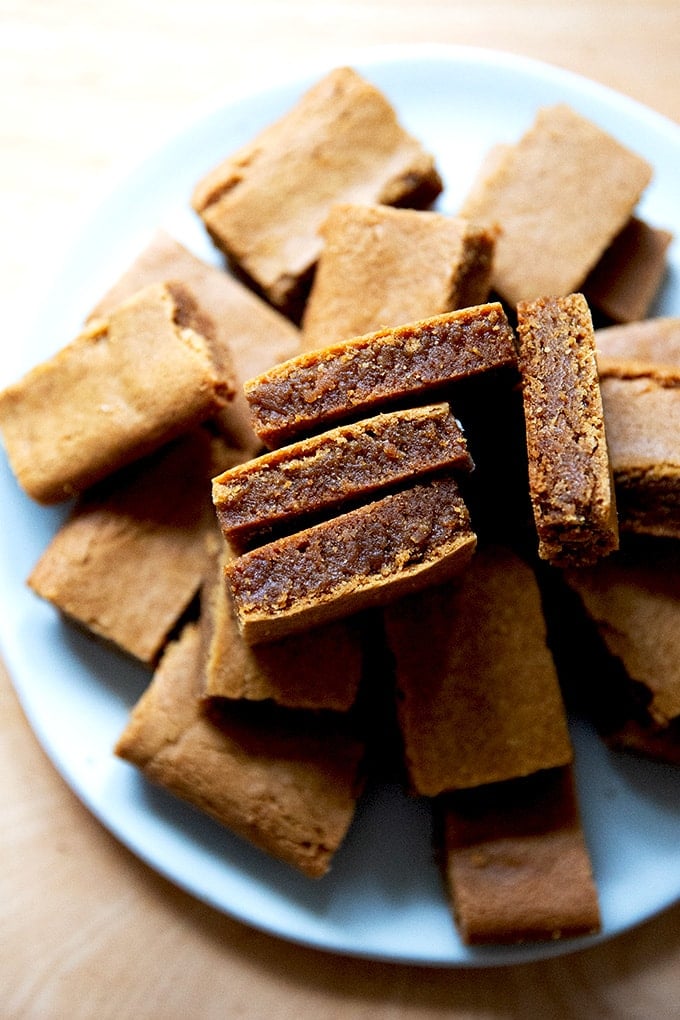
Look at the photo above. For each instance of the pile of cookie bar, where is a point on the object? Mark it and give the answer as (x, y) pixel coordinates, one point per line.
(376, 496)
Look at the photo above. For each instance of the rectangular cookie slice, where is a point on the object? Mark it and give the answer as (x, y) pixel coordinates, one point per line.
(123, 388)
(346, 464)
(555, 220)
(650, 343)
(642, 415)
(318, 669)
(569, 471)
(630, 272)
(132, 556)
(382, 267)
(478, 693)
(252, 334)
(342, 141)
(360, 559)
(516, 863)
(286, 782)
(359, 376)
(633, 599)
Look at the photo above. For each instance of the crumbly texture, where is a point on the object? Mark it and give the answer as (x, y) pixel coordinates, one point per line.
(630, 272)
(636, 346)
(569, 471)
(248, 332)
(320, 669)
(363, 558)
(125, 386)
(555, 218)
(633, 598)
(264, 205)
(347, 464)
(359, 376)
(478, 694)
(516, 863)
(132, 555)
(288, 783)
(383, 267)
(642, 414)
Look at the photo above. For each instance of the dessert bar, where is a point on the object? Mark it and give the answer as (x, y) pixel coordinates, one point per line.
(360, 376)
(346, 464)
(569, 472)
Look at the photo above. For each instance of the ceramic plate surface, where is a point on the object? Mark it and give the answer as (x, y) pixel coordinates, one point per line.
(383, 898)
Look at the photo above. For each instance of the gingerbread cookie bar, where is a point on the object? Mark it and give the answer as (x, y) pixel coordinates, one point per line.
(131, 557)
(319, 669)
(569, 472)
(264, 205)
(633, 599)
(478, 694)
(120, 390)
(287, 783)
(360, 376)
(516, 863)
(253, 335)
(642, 415)
(360, 559)
(346, 464)
(383, 267)
(635, 346)
(630, 272)
(555, 220)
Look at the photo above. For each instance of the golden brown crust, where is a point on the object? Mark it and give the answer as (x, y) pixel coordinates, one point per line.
(633, 598)
(383, 267)
(131, 556)
(120, 390)
(636, 347)
(320, 669)
(642, 414)
(248, 331)
(287, 783)
(516, 862)
(569, 471)
(264, 205)
(555, 220)
(478, 695)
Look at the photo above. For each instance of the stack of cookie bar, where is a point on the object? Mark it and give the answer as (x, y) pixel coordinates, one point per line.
(382, 472)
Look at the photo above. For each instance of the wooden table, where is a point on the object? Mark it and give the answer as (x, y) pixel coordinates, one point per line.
(88, 930)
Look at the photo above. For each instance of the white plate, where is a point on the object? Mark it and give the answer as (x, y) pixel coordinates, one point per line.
(383, 897)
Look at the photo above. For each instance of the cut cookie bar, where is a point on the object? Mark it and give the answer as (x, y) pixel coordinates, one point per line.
(627, 277)
(253, 335)
(120, 390)
(383, 267)
(287, 782)
(555, 219)
(478, 694)
(516, 863)
(319, 669)
(345, 464)
(639, 345)
(132, 555)
(569, 472)
(264, 205)
(360, 559)
(642, 415)
(633, 598)
(361, 375)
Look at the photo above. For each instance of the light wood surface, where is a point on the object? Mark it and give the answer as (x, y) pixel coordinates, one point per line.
(87, 929)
